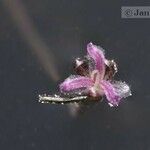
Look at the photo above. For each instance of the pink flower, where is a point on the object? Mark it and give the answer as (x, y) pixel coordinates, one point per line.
(94, 83)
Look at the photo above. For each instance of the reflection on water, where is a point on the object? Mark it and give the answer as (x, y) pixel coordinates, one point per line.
(29, 33)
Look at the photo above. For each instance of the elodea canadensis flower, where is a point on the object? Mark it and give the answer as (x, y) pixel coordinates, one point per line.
(94, 79)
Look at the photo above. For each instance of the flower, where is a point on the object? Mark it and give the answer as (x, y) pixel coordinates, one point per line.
(95, 83)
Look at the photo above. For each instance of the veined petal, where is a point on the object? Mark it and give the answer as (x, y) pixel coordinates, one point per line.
(115, 91)
(75, 83)
(98, 57)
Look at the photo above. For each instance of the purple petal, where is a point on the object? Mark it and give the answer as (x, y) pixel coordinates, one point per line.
(75, 83)
(97, 55)
(115, 92)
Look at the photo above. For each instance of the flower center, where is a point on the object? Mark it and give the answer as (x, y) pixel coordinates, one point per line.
(96, 90)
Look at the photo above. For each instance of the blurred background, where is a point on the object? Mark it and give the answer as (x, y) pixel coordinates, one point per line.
(39, 39)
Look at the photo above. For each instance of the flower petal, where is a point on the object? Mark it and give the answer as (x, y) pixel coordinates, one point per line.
(98, 56)
(115, 92)
(75, 83)
(122, 89)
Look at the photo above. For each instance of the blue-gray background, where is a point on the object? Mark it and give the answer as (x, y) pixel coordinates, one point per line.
(66, 27)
